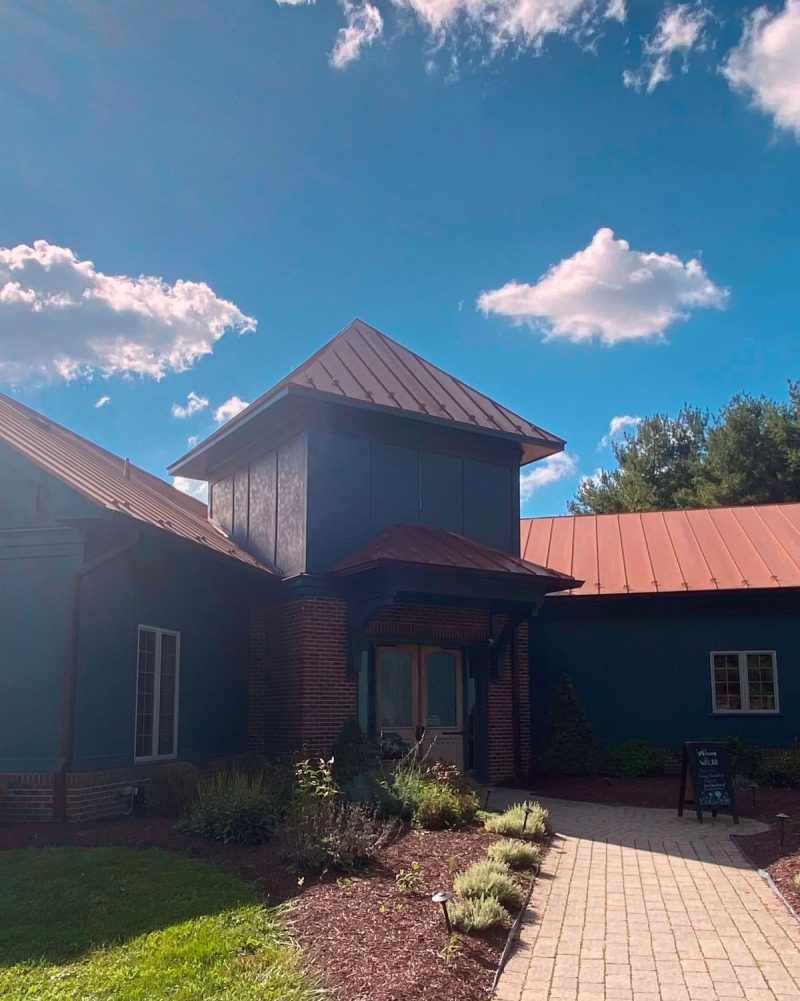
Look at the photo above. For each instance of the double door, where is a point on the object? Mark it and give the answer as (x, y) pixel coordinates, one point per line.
(420, 696)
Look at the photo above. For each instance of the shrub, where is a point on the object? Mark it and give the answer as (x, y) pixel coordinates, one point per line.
(371, 790)
(338, 835)
(744, 756)
(489, 879)
(477, 914)
(515, 854)
(633, 759)
(353, 751)
(570, 746)
(782, 771)
(172, 790)
(232, 807)
(434, 795)
(511, 822)
(393, 747)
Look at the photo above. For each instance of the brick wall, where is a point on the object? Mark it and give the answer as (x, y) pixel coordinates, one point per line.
(301, 693)
(26, 796)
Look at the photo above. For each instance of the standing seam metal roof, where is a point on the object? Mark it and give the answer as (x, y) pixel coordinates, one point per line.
(425, 545)
(110, 481)
(363, 365)
(706, 549)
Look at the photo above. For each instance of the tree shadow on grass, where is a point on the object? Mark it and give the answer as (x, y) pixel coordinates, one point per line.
(57, 904)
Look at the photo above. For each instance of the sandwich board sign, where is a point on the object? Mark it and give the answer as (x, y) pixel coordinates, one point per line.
(706, 768)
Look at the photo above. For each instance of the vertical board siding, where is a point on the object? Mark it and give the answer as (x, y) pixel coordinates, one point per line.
(290, 548)
(222, 503)
(240, 505)
(263, 485)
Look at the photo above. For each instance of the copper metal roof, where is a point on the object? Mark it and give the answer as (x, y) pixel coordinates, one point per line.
(364, 366)
(425, 546)
(718, 549)
(109, 481)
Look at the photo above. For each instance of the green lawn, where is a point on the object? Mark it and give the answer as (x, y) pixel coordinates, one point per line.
(95, 924)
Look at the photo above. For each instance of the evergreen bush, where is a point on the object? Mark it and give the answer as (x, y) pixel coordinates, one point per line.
(570, 746)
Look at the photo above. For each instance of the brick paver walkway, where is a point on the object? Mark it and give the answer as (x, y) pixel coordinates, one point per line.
(638, 905)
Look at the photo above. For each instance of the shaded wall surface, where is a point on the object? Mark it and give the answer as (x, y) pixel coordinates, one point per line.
(641, 667)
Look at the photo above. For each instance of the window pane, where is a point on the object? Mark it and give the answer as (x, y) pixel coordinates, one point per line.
(166, 708)
(442, 688)
(145, 689)
(761, 682)
(727, 686)
(395, 689)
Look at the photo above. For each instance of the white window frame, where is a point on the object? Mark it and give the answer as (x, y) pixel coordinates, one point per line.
(157, 693)
(744, 686)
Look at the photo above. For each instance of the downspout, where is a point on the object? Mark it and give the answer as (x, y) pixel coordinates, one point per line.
(70, 679)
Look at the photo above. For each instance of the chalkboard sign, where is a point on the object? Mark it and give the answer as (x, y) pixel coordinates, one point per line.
(707, 767)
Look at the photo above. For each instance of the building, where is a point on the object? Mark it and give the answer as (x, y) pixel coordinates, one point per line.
(686, 626)
(360, 555)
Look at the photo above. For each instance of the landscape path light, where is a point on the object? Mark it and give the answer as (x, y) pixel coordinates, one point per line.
(753, 787)
(782, 818)
(443, 897)
(489, 792)
(528, 812)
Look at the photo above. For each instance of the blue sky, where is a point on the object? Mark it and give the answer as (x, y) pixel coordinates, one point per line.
(451, 149)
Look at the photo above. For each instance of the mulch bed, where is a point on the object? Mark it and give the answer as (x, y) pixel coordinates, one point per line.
(368, 938)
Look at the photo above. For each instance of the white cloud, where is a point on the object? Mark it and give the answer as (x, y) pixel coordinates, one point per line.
(194, 488)
(295, 3)
(595, 478)
(680, 29)
(230, 408)
(608, 291)
(194, 404)
(62, 318)
(766, 64)
(616, 428)
(364, 26)
(192, 440)
(101, 402)
(550, 470)
(522, 24)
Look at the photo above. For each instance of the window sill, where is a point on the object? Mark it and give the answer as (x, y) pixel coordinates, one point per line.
(746, 712)
(154, 760)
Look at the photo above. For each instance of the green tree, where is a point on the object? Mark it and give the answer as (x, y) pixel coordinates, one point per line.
(748, 453)
(657, 467)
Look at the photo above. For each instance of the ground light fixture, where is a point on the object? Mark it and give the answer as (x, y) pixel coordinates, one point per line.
(753, 787)
(528, 812)
(489, 792)
(782, 818)
(443, 897)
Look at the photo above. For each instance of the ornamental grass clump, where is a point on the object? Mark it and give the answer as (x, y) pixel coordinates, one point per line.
(477, 914)
(512, 823)
(432, 794)
(515, 854)
(232, 807)
(489, 879)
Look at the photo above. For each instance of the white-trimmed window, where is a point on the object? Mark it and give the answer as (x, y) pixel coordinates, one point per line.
(744, 681)
(157, 666)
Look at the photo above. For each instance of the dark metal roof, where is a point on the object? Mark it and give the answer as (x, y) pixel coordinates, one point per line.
(435, 548)
(362, 365)
(109, 481)
(707, 549)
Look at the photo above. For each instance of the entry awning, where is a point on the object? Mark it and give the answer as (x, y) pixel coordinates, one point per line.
(434, 560)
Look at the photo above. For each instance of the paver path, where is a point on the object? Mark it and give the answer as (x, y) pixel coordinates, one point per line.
(639, 905)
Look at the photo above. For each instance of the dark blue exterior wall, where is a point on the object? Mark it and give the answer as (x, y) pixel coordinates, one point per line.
(35, 569)
(641, 666)
(359, 486)
(172, 588)
(37, 559)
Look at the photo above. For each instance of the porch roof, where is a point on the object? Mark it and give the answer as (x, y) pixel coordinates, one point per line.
(424, 547)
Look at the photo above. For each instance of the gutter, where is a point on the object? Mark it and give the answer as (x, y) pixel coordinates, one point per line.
(70, 679)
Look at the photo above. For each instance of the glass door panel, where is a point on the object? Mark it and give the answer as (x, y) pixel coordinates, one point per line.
(397, 690)
(442, 695)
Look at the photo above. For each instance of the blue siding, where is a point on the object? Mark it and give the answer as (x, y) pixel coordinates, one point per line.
(643, 669)
(35, 569)
(358, 487)
(177, 590)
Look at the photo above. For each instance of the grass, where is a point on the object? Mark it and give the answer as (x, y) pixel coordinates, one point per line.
(96, 924)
